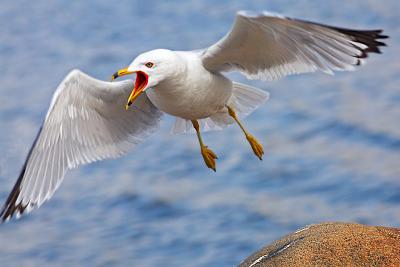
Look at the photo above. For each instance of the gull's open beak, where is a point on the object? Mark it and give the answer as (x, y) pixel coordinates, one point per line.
(140, 84)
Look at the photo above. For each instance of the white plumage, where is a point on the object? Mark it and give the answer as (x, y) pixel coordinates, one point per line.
(270, 46)
(87, 120)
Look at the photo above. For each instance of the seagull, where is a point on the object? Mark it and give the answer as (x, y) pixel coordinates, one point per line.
(90, 120)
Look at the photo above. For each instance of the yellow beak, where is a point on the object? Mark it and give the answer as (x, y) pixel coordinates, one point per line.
(120, 73)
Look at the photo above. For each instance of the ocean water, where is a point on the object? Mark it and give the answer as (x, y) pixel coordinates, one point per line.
(332, 142)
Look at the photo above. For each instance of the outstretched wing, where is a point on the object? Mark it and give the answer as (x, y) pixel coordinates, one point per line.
(269, 46)
(86, 122)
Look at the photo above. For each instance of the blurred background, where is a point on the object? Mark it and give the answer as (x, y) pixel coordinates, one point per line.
(332, 142)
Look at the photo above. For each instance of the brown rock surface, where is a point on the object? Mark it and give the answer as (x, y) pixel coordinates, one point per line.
(332, 244)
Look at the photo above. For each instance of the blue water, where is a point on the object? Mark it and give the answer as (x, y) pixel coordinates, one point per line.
(332, 142)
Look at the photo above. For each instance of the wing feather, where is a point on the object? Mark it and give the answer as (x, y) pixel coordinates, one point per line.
(86, 122)
(268, 46)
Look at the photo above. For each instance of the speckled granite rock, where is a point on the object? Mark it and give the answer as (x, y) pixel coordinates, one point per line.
(332, 244)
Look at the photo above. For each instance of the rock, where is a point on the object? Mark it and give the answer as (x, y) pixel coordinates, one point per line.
(332, 244)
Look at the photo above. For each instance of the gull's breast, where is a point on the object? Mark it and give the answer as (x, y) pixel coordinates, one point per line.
(196, 96)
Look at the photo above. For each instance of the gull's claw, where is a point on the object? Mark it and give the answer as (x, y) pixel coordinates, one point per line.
(209, 157)
(256, 146)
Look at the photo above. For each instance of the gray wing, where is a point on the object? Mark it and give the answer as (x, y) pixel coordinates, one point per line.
(86, 122)
(268, 46)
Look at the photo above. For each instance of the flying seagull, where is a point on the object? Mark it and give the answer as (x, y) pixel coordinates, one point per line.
(90, 120)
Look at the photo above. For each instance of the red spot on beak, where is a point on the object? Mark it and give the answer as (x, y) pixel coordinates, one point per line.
(140, 84)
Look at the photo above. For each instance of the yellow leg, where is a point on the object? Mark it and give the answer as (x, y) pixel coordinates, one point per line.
(208, 155)
(255, 145)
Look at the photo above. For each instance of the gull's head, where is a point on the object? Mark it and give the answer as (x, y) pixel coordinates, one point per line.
(150, 68)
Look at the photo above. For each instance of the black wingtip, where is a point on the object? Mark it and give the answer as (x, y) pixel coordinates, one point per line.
(11, 207)
(369, 38)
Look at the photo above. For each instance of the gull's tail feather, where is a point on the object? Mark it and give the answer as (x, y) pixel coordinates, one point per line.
(244, 100)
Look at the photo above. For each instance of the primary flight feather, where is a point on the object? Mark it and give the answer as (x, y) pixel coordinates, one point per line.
(90, 120)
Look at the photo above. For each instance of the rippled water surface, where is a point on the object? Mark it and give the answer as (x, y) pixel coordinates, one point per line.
(332, 142)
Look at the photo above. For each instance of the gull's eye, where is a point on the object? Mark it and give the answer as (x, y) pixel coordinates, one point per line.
(149, 64)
